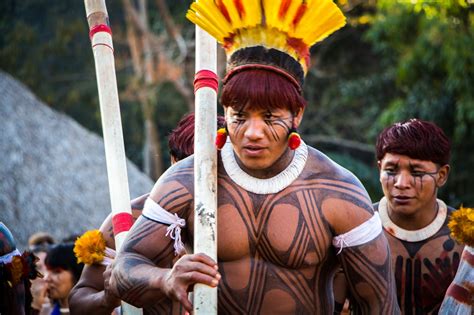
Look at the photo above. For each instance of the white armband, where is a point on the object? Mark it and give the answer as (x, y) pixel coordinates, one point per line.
(7, 258)
(155, 212)
(359, 235)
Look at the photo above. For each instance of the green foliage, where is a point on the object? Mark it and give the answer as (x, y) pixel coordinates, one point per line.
(45, 44)
(394, 61)
(426, 47)
(367, 174)
(170, 109)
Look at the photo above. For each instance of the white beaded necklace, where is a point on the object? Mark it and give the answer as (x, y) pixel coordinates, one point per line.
(269, 185)
(413, 235)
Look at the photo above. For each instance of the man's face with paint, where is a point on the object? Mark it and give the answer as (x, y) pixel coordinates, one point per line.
(409, 184)
(260, 137)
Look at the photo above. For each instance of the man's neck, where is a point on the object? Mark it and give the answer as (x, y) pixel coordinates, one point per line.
(63, 303)
(418, 220)
(282, 163)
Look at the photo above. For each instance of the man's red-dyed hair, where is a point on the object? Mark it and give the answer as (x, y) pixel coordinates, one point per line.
(418, 139)
(261, 89)
(181, 139)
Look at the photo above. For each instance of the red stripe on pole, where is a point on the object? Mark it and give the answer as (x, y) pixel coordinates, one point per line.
(206, 78)
(99, 28)
(122, 222)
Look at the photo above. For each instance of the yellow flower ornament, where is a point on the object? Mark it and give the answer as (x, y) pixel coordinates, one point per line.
(462, 225)
(91, 249)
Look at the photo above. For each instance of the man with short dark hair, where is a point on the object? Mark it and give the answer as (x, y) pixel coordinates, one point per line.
(413, 159)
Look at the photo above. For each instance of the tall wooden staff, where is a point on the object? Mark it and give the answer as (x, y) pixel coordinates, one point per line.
(101, 38)
(205, 164)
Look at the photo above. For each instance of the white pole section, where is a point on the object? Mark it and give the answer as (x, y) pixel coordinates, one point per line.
(101, 37)
(205, 170)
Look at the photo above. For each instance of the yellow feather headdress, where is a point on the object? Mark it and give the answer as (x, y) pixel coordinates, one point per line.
(287, 26)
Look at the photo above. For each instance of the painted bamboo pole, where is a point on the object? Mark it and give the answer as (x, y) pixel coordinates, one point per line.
(205, 164)
(102, 46)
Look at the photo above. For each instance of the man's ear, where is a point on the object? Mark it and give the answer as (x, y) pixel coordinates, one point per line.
(443, 175)
(298, 117)
(379, 165)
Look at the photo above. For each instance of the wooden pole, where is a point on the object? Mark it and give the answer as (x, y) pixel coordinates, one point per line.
(101, 37)
(205, 171)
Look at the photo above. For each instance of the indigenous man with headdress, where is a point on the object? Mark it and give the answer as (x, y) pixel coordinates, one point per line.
(287, 214)
(413, 159)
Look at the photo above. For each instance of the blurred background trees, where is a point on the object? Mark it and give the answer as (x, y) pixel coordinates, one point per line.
(393, 61)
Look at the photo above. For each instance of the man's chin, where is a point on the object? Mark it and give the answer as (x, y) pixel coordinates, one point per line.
(403, 208)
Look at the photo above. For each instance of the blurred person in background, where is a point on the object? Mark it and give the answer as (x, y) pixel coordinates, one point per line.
(62, 274)
(16, 271)
(39, 243)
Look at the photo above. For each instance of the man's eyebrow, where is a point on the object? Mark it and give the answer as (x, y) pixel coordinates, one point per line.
(391, 163)
(416, 165)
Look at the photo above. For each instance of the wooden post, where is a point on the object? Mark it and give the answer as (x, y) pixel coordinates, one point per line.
(101, 38)
(205, 171)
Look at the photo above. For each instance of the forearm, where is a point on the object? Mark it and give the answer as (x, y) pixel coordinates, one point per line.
(86, 300)
(137, 281)
(370, 278)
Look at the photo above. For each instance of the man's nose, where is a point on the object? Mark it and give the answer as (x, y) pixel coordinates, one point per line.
(255, 129)
(403, 180)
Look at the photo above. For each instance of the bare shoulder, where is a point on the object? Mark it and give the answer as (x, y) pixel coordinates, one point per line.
(107, 227)
(344, 200)
(174, 190)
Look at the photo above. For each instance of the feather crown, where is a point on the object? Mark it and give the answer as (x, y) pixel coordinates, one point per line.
(279, 28)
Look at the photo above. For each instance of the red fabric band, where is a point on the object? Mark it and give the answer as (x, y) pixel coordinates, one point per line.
(99, 28)
(122, 222)
(251, 66)
(459, 293)
(205, 78)
(467, 256)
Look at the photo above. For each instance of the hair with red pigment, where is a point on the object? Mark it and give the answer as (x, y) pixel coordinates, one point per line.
(261, 89)
(418, 139)
(181, 139)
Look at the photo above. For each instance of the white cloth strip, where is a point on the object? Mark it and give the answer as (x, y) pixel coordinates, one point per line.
(359, 235)
(109, 256)
(155, 212)
(7, 258)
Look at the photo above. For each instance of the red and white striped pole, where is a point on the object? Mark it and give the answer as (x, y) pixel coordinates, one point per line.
(205, 164)
(102, 46)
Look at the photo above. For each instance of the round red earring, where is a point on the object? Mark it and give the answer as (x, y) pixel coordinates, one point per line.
(294, 139)
(221, 138)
